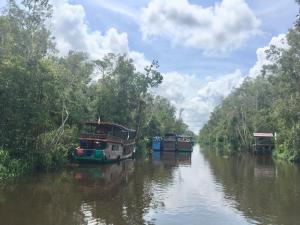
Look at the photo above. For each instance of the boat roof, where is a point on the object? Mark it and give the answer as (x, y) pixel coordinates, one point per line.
(263, 135)
(110, 124)
(184, 136)
(170, 134)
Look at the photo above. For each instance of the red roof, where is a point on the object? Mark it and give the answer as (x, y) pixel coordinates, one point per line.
(263, 135)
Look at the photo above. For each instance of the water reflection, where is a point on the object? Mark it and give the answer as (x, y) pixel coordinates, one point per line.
(102, 179)
(166, 188)
(263, 190)
(264, 166)
(172, 158)
(193, 196)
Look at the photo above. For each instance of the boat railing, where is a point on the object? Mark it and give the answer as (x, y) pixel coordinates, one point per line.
(105, 136)
(93, 136)
(86, 149)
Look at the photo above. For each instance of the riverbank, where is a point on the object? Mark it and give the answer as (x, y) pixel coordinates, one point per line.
(266, 103)
(48, 160)
(277, 153)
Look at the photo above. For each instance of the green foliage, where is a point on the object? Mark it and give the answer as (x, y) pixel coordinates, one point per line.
(47, 97)
(10, 167)
(123, 97)
(268, 103)
(54, 148)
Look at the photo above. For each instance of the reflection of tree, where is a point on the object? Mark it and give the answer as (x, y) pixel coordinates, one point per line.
(134, 197)
(111, 194)
(47, 200)
(263, 191)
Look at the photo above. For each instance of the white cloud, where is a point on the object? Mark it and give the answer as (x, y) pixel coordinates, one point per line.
(117, 7)
(221, 28)
(71, 30)
(197, 97)
(139, 59)
(279, 42)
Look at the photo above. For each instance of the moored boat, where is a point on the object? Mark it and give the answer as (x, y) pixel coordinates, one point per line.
(105, 142)
(169, 142)
(157, 143)
(184, 143)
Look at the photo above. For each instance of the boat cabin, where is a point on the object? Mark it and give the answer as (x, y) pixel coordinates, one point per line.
(184, 143)
(104, 141)
(157, 143)
(170, 142)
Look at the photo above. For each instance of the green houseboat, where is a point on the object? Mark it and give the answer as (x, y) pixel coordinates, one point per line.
(105, 142)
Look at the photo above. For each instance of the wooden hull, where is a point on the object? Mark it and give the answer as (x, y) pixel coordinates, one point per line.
(101, 161)
(102, 157)
(184, 147)
(169, 146)
(185, 150)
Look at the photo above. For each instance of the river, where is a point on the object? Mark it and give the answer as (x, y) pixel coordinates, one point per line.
(198, 188)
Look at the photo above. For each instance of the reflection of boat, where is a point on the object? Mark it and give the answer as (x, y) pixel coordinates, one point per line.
(264, 167)
(103, 178)
(184, 143)
(266, 171)
(105, 142)
(172, 158)
(184, 158)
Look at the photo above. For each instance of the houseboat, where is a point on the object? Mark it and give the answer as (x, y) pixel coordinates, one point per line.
(105, 142)
(169, 142)
(184, 143)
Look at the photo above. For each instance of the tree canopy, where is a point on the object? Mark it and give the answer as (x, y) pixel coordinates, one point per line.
(45, 97)
(267, 103)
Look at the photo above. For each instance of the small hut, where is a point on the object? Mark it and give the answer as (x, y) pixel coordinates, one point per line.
(263, 143)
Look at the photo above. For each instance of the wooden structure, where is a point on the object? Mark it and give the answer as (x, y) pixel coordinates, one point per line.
(157, 143)
(105, 142)
(184, 143)
(263, 143)
(170, 142)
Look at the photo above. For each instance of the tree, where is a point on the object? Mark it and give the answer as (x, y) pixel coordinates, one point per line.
(268, 103)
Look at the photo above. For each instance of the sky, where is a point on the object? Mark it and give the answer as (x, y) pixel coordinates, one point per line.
(205, 48)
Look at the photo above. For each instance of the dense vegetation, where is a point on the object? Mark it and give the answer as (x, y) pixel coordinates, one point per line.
(268, 103)
(45, 97)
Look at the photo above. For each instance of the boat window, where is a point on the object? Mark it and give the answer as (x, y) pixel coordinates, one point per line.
(115, 147)
(100, 144)
(86, 144)
(88, 128)
(101, 129)
(83, 144)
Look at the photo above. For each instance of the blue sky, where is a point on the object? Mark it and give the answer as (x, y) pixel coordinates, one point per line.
(205, 48)
(275, 16)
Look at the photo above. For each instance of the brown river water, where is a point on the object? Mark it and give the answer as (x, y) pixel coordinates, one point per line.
(198, 188)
